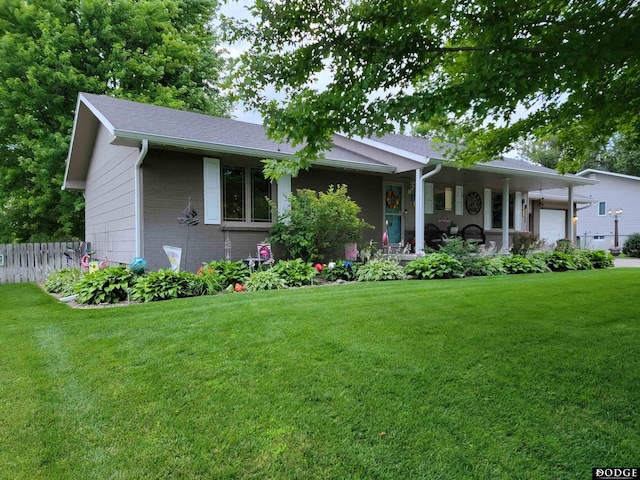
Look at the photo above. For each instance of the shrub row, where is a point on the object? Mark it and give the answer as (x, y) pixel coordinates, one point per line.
(117, 284)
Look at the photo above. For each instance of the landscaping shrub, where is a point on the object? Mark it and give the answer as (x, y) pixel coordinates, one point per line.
(265, 280)
(229, 273)
(111, 285)
(538, 262)
(63, 281)
(166, 284)
(435, 265)
(581, 260)
(487, 266)
(295, 273)
(340, 270)
(600, 258)
(631, 246)
(378, 270)
(318, 224)
(516, 264)
(525, 243)
(559, 261)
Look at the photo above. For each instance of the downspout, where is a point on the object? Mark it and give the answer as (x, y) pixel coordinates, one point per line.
(144, 148)
(420, 178)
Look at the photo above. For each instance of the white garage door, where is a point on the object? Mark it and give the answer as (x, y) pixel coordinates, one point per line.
(552, 225)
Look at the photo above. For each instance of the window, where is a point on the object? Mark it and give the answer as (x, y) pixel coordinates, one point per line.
(443, 198)
(602, 209)
(245, 195)
(496, 210)
(235, 194)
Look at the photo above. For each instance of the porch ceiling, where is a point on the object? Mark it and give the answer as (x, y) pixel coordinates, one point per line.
(482, 176)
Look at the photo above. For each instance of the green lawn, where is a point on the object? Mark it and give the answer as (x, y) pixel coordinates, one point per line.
(533, 376)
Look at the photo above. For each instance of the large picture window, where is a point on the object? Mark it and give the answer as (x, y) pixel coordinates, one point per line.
(245, 195)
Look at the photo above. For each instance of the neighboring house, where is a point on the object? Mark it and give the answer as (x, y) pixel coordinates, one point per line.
(614, 191)
(140, 165)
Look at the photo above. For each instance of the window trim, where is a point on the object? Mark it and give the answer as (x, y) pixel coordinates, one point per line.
(604, 210)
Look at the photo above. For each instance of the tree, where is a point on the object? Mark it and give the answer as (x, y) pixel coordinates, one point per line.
(154, 51)
(568, 68)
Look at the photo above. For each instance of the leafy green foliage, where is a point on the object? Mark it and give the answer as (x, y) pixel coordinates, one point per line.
(229, 273)
(565, 245)
(295, 273)
(515, 264)
(539, 262)
(560, 261)
(340, 270)
(318, 224)
(631, 245)
(435, 265)
(111, 285)
(460, 67)
(265, 280)
(63, 281)
(378, 270)
(160, 52)
(600, 258)
(581, 260)
(524, 243)
(166, 284)
(487, 266)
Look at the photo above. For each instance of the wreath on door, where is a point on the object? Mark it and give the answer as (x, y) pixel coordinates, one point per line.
(392, 199)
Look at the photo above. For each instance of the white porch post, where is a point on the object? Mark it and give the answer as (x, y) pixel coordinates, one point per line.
(569, 229)
(505, 215)
(419, 220)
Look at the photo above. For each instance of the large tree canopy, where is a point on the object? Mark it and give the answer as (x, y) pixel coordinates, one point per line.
(155, 51)
(468, 66)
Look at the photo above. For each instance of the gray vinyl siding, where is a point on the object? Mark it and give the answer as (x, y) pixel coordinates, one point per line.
(170, 179)
(618, 193)
(110, 200)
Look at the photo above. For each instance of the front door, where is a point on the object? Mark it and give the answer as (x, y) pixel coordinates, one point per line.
(393, 212)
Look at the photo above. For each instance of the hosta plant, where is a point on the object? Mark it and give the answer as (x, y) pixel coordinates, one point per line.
(63, 281)
(265, 280)
(166, 284)
(600, 258)
(435, 265)
(295, 273)
(378, 270)
(111, 285)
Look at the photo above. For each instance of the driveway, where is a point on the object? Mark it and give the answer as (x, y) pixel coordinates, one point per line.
(627, 262)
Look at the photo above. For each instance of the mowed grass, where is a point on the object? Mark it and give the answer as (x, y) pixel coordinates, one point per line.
(533, 376)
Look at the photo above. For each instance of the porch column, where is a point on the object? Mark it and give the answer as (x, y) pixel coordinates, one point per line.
(505, 215)
(569, 228)
(419, 212)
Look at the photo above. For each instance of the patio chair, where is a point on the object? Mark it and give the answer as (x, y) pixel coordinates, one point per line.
(474, 232)
(433, 236)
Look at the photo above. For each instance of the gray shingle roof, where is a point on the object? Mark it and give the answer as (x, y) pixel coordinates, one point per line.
(139, 120)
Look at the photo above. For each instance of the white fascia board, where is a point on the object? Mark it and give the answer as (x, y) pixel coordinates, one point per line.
(389, 149)
(240, 150)
(573, 180)
(66, 184)
(602, 172)
(97, 113)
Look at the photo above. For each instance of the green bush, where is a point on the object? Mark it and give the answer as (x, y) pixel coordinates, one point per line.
(600, 258)
(435, 265)
(378, 270)
(111, 285)
(516, 264)
(265, 280)
(317, 225)
(63, 281)
(340, 270)
(539, 263)
(581, 260)
(166, 284)
(295, 273)
(565, 245)
(559, 261)
(229, 273)
(631, 246)
(525, 243)
(487, 266)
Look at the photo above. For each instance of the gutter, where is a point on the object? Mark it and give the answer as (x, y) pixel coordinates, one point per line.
(419, 221)
(144, 149)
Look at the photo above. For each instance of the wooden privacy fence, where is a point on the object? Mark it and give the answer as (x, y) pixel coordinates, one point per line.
(32, 262)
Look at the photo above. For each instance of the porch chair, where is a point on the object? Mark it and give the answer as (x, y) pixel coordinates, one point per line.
(433, 236)
(474, 232)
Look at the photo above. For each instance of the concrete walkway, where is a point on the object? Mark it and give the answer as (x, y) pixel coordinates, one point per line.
(627, 262)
